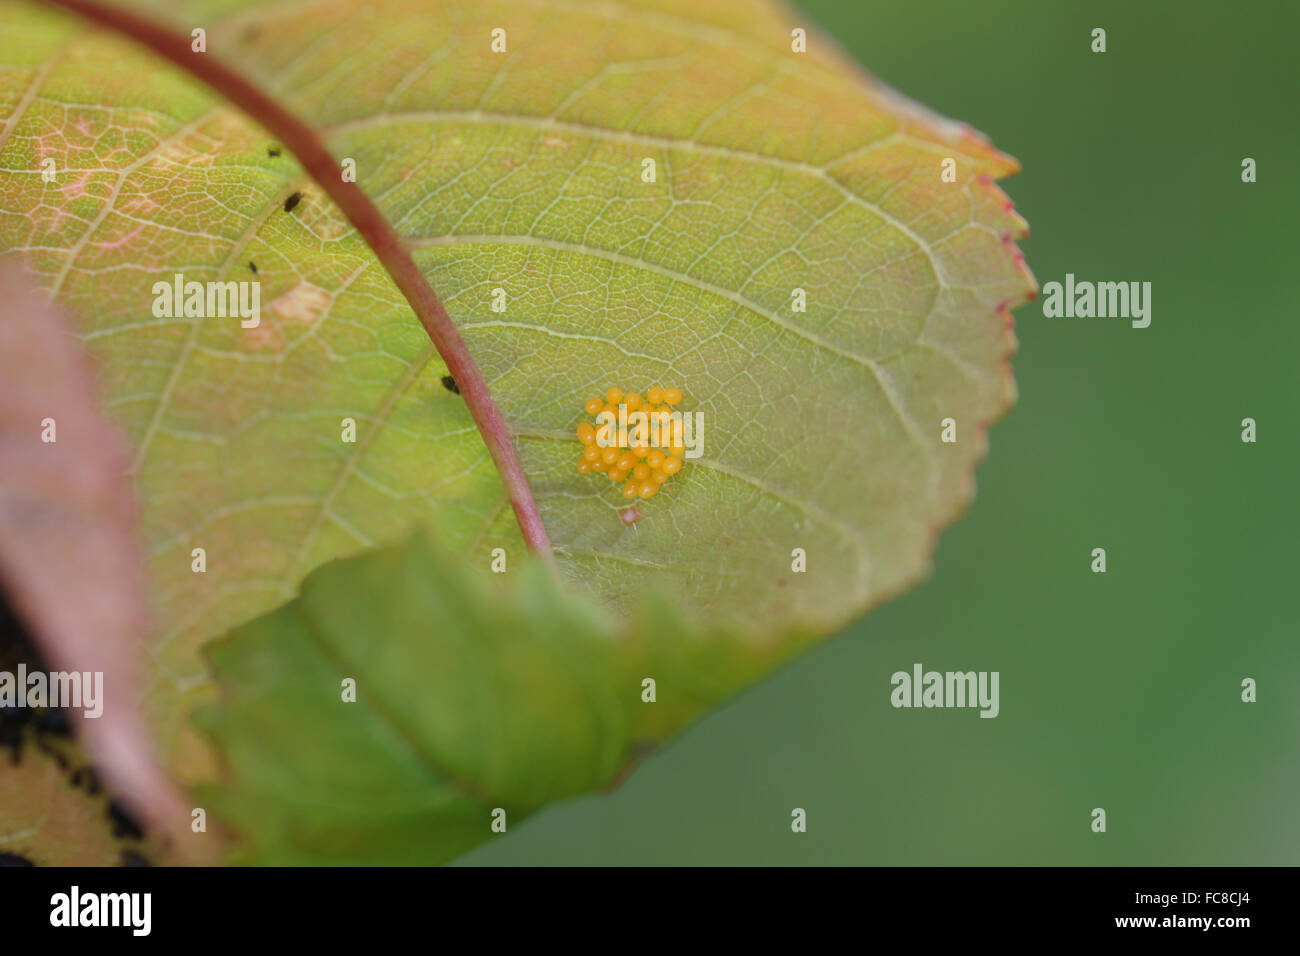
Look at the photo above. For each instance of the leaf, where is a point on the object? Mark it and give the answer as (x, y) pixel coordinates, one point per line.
(471, 694)
(57, 823)
(521, 171)
(69, 560)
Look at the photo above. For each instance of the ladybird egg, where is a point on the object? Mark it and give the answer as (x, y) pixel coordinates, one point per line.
(586, 433)
(584, 467)
(632, 400)
(590, 453)
(672, 395)
(655, 458)
(631, 489)
(671, 466)
(593, 406)
(626, 461)
(648, 489)
(614, 396)
(641, 472)
(655, 395)
(608, 455)
(660, 476)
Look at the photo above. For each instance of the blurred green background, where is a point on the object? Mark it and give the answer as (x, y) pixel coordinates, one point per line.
(1118, 690)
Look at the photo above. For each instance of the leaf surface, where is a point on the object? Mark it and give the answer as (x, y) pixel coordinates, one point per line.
(520, 171)
(470, 693)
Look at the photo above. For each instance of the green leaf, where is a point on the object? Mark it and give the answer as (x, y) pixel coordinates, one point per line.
(520, 171)
(473, 692)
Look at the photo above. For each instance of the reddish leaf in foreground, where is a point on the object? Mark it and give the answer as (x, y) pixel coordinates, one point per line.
(69, 560)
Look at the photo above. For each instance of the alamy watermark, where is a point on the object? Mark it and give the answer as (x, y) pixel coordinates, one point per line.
(1101, 300)
(950, 689)
(208, 300)
(651, 429)
(74, 908)
(69, 689)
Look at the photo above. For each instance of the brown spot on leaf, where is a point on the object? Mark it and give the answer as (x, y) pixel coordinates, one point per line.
(78, 186)
(303, 303)
(264, 337)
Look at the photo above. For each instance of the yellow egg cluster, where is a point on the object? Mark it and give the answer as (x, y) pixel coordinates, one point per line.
(644, 468)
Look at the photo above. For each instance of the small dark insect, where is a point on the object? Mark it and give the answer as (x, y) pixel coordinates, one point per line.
(273, 150)
(450, 385)
(292, 201)
(131, 858)
(253, 266)
(85, 777)
(123, 825)
(13, 859)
